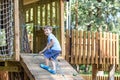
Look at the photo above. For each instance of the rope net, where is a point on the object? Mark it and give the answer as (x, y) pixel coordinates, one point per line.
(6, 29)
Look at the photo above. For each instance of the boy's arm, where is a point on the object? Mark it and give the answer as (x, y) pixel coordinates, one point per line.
(47, 46)
(50, 44)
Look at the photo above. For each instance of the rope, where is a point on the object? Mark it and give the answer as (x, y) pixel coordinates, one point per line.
(6, 29)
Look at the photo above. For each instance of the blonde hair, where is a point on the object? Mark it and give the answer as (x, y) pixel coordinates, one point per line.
(48, 27)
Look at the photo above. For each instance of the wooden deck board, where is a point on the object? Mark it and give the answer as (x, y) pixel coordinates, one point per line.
(31, 64)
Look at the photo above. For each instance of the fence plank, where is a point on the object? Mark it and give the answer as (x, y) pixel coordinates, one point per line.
(81, 46)
(76, 47)
(93, 48)
(73, 47)
(110, 48)
(104, 47)
(96, 47)
(107, 47)
(84, 47)
(117, 48)
(67, 46)
(101, 52)
(88, 48)
(113, 48)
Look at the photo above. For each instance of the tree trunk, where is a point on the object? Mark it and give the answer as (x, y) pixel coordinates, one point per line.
(76, 12)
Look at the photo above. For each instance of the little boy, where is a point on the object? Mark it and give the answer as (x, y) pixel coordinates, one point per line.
(51, 51)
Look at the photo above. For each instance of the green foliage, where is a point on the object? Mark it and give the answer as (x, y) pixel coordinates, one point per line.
(102, 15)
(2, 37)
(82, 67)
(29, 28)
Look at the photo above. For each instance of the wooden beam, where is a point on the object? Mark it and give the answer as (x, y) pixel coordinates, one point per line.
(62, 27)
(17, 36)
(10, 68)
(26, 2)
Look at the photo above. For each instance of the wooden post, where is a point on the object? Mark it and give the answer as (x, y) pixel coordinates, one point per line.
(67, 49)
(94, 72)
(111, 72)
(4, 75)
(17, 38)
(34, 27)
(62, 27)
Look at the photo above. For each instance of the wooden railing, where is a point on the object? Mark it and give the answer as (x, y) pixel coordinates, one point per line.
(99, 77)
(84, 47)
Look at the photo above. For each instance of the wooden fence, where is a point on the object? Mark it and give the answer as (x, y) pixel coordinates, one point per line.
(84, 47)
(99, 77)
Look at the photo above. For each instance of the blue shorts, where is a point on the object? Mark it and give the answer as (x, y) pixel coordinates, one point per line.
(51, 54)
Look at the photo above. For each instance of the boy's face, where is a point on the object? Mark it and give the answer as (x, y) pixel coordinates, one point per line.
(47, 31)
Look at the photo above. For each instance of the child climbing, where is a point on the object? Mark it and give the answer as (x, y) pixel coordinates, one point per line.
(51, 51)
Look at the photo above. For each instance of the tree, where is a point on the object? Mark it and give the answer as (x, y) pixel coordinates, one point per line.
(96, 15)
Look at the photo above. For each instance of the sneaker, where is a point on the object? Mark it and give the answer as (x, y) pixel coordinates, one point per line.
(44, 66)
(51, 71)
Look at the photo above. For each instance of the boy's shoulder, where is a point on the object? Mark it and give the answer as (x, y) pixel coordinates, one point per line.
(52, 34)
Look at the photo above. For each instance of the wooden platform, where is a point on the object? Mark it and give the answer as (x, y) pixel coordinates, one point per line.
(31, 63)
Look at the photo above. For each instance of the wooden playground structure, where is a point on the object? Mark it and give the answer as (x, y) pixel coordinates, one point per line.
(18, 63)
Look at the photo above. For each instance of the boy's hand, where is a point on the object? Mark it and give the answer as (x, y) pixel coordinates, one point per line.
(40, 52)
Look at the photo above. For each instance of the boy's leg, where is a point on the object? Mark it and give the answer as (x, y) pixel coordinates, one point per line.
(47, 61)
(54, 65)
(52, 70)
(54, 59)
(46, 65)
(51, 55)
(47, 55)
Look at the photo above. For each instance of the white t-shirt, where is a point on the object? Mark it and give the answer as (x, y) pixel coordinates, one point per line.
(56, 45)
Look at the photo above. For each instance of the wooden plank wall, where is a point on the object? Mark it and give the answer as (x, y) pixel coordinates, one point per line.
(41, 39)
(93, 48)
(42, 13)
